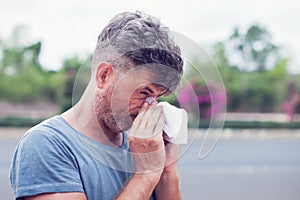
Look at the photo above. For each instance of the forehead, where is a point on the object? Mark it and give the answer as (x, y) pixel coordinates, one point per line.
(153, 88)
(141, 79)
(139, 76)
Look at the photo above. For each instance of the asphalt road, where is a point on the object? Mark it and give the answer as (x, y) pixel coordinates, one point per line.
(7, 147)
(260, 169)
(238, 168)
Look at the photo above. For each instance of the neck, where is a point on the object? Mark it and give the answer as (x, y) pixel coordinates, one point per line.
(83, 118)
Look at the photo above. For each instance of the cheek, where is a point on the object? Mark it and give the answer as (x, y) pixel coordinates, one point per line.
(120, 99)
(135, 103)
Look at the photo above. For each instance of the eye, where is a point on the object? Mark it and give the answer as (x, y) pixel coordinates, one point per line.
(144, 93)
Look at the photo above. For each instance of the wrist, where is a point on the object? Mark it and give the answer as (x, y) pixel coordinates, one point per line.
(140, 186)
(172, 175)
(168, 186)
(171, 168)
(149, 178)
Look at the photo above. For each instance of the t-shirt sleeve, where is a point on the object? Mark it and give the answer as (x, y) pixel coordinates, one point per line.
(43, 164)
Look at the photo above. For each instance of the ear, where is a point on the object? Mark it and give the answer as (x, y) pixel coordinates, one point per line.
(104, 73)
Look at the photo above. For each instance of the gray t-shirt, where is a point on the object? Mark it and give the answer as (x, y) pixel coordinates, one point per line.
(54, 157)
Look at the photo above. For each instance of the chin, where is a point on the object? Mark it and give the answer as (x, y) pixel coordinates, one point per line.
(121, 126)
(128, 124)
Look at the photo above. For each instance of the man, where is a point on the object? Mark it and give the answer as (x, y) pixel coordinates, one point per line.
(110, 144)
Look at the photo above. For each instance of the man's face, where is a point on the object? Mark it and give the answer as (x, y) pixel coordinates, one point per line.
(121, 103)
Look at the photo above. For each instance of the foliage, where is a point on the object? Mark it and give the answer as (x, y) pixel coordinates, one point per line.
(263, 88)
(70, 68)
(253, 125)
(202, 99)
(254, 47)
(22, 78)
(257, 83)
(19, 122)
(27, 122)
(260, 90)
(16, 56)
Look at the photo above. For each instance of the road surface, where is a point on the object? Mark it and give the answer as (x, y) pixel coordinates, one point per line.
(247, 167)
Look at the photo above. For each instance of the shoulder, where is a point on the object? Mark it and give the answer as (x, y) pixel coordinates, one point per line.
(43, 162)
(51, 131)
(50, 139)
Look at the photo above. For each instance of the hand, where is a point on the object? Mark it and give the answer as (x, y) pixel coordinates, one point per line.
(172, 155)
(146, 141)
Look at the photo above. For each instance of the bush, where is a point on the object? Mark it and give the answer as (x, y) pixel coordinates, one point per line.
(18, 122)
(253, 125)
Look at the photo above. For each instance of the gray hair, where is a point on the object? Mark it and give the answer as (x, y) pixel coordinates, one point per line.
(134, 38)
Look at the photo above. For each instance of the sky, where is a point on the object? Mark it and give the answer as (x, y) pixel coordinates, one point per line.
(68, 27)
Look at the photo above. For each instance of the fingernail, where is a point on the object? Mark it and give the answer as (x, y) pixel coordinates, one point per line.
(150, 100)
(145, 104)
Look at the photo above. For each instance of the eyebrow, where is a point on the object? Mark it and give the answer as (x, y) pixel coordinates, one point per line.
(152, 92)
(145, 87)
(149, 89)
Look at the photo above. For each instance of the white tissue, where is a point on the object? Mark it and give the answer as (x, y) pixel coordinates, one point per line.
(176, 121)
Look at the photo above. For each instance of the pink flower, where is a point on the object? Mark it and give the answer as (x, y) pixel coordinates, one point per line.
(205, 94)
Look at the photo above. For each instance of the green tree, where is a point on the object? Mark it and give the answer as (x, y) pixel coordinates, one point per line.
(254, 47)
(251, 91)
(231, 76)
(15, 56)
(70, 68)
(22, 78)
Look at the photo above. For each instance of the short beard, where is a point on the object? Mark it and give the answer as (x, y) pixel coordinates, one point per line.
(116, 123)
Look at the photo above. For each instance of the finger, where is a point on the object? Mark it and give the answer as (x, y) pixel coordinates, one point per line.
(141, 115)
(159, 126)
(144, 121)
(157, 117)
(155, 113)
(147, 118)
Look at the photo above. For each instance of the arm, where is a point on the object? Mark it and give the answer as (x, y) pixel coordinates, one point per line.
(148, 152)
(58, 196)
(168, 186)
(38, 167)
(140, 186)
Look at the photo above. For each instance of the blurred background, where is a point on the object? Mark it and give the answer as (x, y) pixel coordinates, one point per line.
(253, 44)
